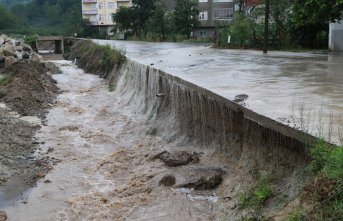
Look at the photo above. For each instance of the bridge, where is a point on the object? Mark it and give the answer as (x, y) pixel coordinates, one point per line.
(58, 42)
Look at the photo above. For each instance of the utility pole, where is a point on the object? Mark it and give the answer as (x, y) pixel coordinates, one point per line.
(266, 27)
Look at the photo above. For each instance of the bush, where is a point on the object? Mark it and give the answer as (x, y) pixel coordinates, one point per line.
(4, 80)
(326, 191)
(241, 30)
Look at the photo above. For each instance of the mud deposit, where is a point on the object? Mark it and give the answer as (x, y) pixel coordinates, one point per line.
(26, 94)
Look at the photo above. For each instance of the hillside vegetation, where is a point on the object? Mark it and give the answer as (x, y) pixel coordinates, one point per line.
(56, 17)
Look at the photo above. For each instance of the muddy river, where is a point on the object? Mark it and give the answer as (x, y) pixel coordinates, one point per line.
(106, 170)
(303, 90)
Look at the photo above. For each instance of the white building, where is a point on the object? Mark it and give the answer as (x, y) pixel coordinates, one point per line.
(336, 36)
(99, 12)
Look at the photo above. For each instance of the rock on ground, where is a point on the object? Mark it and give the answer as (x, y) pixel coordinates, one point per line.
(199, 177)
(3, 215)
(13, 50)
(178, 158)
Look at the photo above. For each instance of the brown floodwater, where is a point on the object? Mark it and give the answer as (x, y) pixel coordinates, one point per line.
(105, 171)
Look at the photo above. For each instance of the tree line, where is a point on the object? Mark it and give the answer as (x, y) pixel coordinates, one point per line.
(293, 23)
(44, 17)
(152, 18)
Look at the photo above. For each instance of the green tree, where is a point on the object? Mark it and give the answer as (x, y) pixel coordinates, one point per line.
(186, 16)
(7, 19)
(278, 24)
(241, 30)
(143, 10)
(126, 19)
(161, 20)
(310, 19)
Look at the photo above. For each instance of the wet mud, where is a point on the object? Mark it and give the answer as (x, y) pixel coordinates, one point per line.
(26, 95)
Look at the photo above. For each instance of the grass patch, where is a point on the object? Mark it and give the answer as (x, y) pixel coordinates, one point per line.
(96, 59)
(4, 80)
(259, 194)
(325, 192)
(111, 87)
(296, 215)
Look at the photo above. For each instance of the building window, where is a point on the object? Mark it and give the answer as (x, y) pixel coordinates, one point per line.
(101, 5)
(203, 34)
(110, 17)
(111, 5)
(203, 16)
(101, 17)
(222, 0)
(202, 0)
(223, 14)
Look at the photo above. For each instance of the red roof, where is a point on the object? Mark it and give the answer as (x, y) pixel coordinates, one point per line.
(252, 2)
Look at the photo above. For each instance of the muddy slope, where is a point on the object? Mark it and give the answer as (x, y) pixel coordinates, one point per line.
(231, 136)
(28, 91)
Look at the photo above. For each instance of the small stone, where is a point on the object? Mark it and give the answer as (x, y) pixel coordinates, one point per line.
(240, 98)
(26, 55)
(9, 61)
(26, 47)
(3, 215)
(36, 57)
(47, 181)
(40, 175)
(18, 55)
(167, 180)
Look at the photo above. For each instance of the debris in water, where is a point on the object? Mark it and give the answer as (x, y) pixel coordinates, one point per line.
(241, 98)
(3, 215)
(177, 158)
(200, 178)
(167, 180)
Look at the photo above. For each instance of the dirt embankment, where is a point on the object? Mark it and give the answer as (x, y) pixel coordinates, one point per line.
(26, 89)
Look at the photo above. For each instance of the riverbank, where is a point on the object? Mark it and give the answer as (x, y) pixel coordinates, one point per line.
(247, 146)
(27, 91)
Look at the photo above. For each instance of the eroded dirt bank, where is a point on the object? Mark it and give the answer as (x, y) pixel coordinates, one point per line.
(27, 90)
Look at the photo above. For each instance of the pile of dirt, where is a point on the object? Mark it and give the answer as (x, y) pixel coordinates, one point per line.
(30, 90)
(26, 89)
(18, 169)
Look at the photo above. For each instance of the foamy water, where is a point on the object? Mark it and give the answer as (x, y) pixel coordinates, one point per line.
(104, 173)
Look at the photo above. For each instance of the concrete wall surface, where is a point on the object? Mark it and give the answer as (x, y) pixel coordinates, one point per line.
(336, 36)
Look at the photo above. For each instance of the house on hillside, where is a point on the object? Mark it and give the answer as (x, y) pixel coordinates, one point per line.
(99, 12)
(213, 14)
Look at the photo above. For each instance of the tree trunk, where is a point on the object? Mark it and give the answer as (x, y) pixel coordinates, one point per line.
(266, 28)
